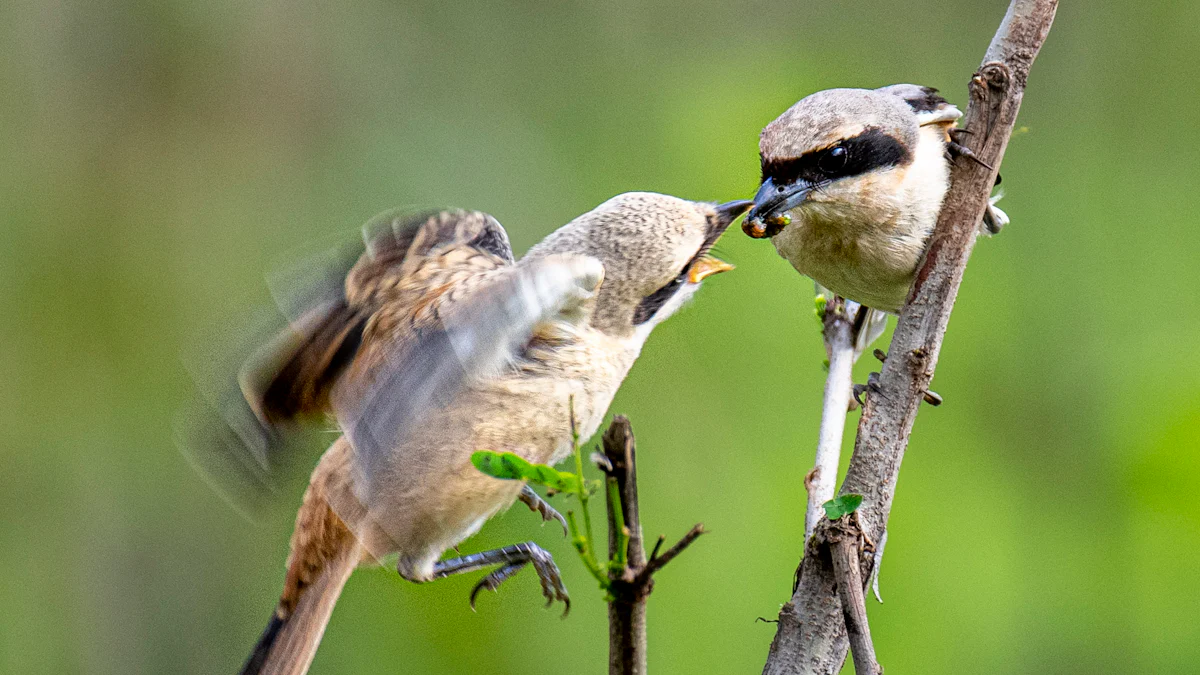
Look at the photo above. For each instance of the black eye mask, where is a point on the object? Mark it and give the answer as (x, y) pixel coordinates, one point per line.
(870, 150)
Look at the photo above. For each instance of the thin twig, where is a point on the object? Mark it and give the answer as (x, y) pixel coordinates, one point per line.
(657, 563)
(582, 539)
(839, 384)
(619, 556)
(620, 449)
(811, 636)
(657, 545)
(583, 491)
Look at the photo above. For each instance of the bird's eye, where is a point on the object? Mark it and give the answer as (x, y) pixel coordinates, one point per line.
(833, 160)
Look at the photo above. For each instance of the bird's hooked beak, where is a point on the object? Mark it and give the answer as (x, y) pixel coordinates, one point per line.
(771, 205)
(706, 265)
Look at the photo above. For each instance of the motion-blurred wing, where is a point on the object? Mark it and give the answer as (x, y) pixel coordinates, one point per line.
(239, 455)
(241, 431)
(926, 102)
(293, 376)
(472, 330)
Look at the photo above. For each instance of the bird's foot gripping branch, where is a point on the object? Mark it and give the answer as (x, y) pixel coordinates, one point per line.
(627, 576)
(824, 616)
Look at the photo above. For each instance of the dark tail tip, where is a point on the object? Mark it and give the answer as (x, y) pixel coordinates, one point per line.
(258, 658)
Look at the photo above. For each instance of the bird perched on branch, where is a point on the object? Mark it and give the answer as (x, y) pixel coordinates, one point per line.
(439, 344)
(852, 183)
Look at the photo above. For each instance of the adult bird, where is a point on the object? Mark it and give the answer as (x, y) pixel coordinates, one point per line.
(852, 184)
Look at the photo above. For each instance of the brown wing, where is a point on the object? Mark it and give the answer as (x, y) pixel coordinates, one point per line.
(425, 310)
(243, 435)
(292, 377)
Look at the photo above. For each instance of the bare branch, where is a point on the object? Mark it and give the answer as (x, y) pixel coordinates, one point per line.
(811, 637)
(630, 587)
(844, 542)
(658, 562)
(839, 345)
(657, 545)
(627, 610)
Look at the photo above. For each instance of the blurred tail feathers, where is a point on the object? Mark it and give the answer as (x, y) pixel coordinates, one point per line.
(324, 554)
(290, 640)
(258, 657)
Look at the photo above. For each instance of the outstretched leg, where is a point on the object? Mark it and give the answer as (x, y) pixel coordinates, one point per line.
(511, 559)
(538, 505)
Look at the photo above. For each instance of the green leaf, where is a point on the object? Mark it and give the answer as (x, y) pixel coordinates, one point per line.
(553, 478)
(510, 466)
(504, 465)
(840, 506)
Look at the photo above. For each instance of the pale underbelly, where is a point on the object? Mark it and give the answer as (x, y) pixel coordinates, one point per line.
(431, 497)
(875, 276)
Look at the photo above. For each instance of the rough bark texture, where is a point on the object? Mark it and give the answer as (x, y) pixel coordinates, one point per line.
(631, 586)
(811, 635)
(844, 553)
(627, 611)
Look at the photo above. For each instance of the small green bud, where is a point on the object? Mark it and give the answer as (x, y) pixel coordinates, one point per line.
(840, 506)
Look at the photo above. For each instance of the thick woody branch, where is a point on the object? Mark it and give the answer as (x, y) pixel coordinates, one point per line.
(811, 635)
(631, 585)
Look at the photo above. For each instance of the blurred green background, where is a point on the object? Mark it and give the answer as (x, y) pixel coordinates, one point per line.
(158, 158)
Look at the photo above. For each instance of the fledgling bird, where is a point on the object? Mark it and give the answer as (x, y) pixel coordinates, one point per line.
(852, 183)
(440, 344)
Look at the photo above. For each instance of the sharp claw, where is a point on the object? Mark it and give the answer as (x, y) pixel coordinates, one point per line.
(601, 461)
(551, 580)
(475, 594)
(493, 580)
(511, 560)
(955, 150)
(540, 506)
(871, 386)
